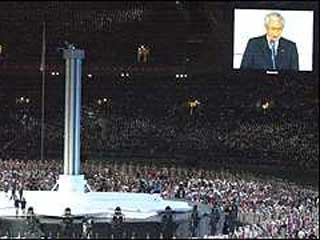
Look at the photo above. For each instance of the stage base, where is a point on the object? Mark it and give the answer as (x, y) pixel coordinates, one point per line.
(97, 204)
(71, 183)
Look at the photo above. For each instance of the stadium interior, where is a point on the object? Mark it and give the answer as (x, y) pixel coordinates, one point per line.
(162, 109)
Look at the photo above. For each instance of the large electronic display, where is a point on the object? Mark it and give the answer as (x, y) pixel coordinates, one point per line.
(273, 40)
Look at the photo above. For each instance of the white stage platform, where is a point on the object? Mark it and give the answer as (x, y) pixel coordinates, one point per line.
(96, 204)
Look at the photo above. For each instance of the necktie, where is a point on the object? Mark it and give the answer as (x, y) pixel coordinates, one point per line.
(273, 54)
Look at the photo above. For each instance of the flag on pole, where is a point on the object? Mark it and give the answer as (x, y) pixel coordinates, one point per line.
(43, 53)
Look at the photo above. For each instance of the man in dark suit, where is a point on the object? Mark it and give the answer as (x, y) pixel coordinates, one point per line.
(271, 51)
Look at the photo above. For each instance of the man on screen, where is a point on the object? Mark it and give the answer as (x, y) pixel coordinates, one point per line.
(271, 51)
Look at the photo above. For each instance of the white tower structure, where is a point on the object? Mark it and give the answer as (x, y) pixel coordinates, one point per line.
(72, 180)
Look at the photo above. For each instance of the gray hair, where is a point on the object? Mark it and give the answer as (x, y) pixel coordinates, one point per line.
(273, 15)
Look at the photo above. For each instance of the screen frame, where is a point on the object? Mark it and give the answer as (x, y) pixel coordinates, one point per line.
(291, 5)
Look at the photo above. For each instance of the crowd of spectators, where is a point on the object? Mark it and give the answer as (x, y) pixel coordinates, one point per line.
(284, 143)
(230, 132)
(293, 143)
(34, 175)
(267, 206)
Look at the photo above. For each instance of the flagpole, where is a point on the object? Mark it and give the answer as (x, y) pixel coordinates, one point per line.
(43, 74)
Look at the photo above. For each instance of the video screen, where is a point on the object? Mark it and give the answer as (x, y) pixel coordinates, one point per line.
(273, 40)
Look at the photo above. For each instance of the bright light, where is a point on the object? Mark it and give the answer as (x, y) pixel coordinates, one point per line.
(181, 75)
(127, 74)
(57, 73)
(89, 75)
(99, 101)
(105, 100)
(53, 73)
(27, 100)
(122, 74)
(185, 75)
(265, 105)
(194, 104)
(22, 98)
(177, 75)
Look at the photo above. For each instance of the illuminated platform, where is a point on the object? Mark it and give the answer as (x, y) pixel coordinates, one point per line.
(96, 204)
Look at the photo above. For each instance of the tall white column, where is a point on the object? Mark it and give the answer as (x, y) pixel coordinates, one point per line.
(72, 180)
(72, 130)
